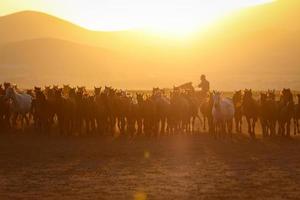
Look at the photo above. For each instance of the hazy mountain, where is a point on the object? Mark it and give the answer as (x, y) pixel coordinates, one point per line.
(28, 25)
(256, 47)
(42, 61)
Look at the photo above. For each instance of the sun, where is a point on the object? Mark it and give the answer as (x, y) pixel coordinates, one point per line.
(168, 19)
(179, 26)
(184, 22)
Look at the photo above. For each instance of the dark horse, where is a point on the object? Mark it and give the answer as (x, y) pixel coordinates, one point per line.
(238, 115)
(297, 116)
(250, 110)
(285, 112)
(4, 109)
(263, 115)
(206, 111)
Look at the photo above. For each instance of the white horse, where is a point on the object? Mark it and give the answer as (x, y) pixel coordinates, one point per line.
(223, 114)
(21, 104)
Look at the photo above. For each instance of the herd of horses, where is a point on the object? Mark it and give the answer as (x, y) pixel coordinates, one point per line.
(77, 111)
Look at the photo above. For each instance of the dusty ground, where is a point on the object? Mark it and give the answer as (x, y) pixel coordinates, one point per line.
(177, 167)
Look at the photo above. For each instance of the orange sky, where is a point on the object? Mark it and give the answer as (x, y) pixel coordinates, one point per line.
(168, 16)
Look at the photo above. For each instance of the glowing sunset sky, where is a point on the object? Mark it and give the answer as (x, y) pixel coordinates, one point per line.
(156, 15)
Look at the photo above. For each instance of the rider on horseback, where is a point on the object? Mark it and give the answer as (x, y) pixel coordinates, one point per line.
(204, 85)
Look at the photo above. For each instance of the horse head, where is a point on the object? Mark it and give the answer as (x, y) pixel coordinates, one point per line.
(97, 90)
(286, 95)
(140, 97)
(271, 95)
(263, 97)
(81, 90)
(72, 92)
(298, 97)
(247, 95)
(6, 85)
(58, 93)
(2, 90)
(10, 92)
(217, 98)
(37, 89)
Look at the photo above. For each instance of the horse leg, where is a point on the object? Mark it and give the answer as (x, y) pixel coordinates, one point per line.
(253, 127)
(295, 126)
(237, 123)
(139, 126)
(225, 132)
(241, 124)
(230, 127)
(288, 128)
(282, 129)
(249, 125)
(163, 125)
(193, 124)
(27, 119)
(263, 127)
(279, 128)
(273, 128)
(216, 126)
(14, 120)
(298, 125)
(204, 123)
(222, 130)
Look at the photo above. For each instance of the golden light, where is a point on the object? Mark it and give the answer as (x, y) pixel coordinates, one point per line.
(167, 18)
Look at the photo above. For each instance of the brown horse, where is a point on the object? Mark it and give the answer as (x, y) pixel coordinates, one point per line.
(285, 112)
(4, 110)
(250, 110)
(206, 111)
(238, 115)
(272, 112)
(140, 113)
(42, 113)
(297, 116)
(100, 110)
(179, 111)
(264, 114)
(162, 107)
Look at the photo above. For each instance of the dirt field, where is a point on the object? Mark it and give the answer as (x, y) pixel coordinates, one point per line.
(177, 167)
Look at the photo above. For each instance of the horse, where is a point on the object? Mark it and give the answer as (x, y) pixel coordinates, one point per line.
(285, 112)
(4, 109)
(238, 115)
(100, 110)
(223, 114)
(264, 114)
(21, 104)
(179, 111)
(42, 112)
(141, 109)
(194, 106)
(111, 108)
(272, 111)
(206, 111)
(250, 109)
(163, 106)
(297, 116)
